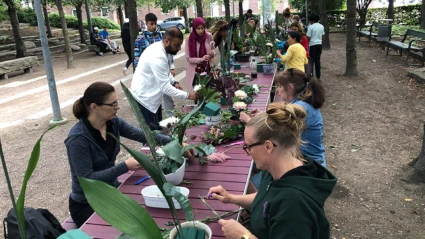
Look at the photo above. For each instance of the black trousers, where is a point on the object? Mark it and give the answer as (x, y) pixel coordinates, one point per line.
(130, 58)
(152, 119)
(80, 212)
(314, 61)
(102, 46)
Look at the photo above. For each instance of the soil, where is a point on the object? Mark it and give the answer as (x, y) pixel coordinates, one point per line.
(373, 128)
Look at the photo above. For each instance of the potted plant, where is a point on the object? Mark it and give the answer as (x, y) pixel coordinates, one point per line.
(124, 213)
(236, 110)
(241, 43)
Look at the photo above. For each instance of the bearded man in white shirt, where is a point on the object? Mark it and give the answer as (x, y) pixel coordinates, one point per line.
(152, 78)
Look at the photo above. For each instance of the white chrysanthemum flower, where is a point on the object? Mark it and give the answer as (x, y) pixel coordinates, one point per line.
(239, 106)
(269, 44)
(169, 122)
(160, 152)
(241, 94)
(197, 87)
(203, 74)
(256, 89)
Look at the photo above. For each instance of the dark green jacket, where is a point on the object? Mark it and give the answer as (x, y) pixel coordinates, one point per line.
(292, 206)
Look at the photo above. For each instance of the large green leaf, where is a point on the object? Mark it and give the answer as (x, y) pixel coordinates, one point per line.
(156, 174)
(174, 192)
(119, 210)
(173, 151)
(32, 164)
(150, 136)
(183, 122)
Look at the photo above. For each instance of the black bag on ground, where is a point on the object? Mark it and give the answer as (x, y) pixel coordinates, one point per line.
(39, 223)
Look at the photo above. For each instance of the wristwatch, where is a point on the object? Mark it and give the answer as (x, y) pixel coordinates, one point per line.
(247, 235)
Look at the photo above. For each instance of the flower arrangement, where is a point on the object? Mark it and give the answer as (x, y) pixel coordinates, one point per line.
(206, 94)
(243, 97)
(219, 135)
(241, 94)
(237, 108)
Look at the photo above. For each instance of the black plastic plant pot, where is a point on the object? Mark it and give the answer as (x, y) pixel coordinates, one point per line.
(242, 57)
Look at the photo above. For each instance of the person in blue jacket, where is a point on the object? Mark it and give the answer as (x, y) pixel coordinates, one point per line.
(91, 151)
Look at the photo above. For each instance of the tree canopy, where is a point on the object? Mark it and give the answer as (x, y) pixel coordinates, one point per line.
(330, 4)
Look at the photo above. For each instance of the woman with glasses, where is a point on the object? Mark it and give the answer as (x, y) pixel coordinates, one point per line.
(91, 151)
(293, 190)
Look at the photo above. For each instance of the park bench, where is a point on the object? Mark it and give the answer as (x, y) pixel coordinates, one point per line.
(371, 33)
(25, 63)
(414, 36)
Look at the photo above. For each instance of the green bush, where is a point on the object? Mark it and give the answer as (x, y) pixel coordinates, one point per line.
(210, 21)
(4, 16)
(27, 15)
(409, 15)
(101, 22)
(55, 20)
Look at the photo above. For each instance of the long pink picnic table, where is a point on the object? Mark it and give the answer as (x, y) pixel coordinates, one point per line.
(232, 174)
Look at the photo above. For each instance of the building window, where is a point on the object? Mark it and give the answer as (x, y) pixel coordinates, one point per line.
(74, 12)
(105, 12)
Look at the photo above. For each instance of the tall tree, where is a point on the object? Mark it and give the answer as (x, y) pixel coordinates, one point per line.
(131, 13)
(21, 51)
(186, 19)
(46, 18)
(362, 6)
(351, 54)
(69, 57)
(227, 9)
(390, 12)
(326, 44)
(416, 172)
(120, 14)
(423, 16)
(313, 6)
(241, 16)
(199, 11)
(78, 4)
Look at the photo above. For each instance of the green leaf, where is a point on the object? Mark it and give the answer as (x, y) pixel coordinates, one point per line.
(119, 210)
(354, 150)
(202, 149)
(124, 236)
(32, 164)
(182, 125)
(184, 202)
(150, 136)
(173, 151)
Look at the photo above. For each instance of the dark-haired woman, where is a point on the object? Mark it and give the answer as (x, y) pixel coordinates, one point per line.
(296, 56)
(293, 190)
(294, 87)
(91, 151)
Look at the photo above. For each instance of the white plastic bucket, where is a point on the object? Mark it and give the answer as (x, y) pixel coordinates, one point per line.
(213, 120)
(200, 225)
(177, 177)
(154, 198)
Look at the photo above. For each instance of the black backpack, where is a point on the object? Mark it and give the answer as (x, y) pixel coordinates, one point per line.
(39, 223)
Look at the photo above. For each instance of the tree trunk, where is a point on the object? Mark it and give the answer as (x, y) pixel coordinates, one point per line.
(313, 6)
(416, 173)
(69, 57)
(186, 19)
(120, 15)
(199, 12)
(19, 43)
(80, 23)
(241, 16)
(351, 54)
(46, 19)
(390, 12)
(326, 44)
(227, 9)
(423, 16)
(134, 28)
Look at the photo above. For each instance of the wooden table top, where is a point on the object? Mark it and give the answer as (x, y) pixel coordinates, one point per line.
(232, 174)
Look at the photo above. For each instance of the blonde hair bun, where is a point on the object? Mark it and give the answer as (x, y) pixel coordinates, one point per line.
(290, 115)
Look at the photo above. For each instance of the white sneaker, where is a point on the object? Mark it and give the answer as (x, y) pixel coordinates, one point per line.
(100, 53)
(124, 71)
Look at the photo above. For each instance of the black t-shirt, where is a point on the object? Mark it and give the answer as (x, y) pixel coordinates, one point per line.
(108, 145)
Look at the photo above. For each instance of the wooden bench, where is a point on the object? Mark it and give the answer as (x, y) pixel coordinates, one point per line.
(371, 33)
(25, 63)
(403, 45)
(69, 224)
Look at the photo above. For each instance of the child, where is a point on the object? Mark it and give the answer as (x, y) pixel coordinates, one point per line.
(315, 34)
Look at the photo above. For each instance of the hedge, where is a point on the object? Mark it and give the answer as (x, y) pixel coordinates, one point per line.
(28, 16)
(210, 21)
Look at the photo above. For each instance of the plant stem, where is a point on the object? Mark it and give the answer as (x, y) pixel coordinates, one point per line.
(9, 186)
(213, 219)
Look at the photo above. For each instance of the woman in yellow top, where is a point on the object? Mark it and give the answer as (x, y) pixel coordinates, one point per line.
(296, 56)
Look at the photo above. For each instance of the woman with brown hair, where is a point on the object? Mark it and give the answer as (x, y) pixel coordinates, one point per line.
(293, 190)
(91, 151)
(294, 87)
(287, 21)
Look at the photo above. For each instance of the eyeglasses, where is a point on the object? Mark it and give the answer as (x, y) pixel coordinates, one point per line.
(113, 104)
(247, 147)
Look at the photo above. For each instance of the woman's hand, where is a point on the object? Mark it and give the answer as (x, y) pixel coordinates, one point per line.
(190, 154)
(232, 229)
(253, 112)
(220, 194)
(212, 53)
(278, 53)
(244, 118)
(132, 164)
(206, 58)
